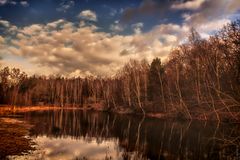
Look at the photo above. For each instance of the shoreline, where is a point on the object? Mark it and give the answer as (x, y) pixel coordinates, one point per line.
(7, 110)
(14, 132)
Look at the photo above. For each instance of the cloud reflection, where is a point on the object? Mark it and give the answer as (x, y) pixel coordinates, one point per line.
(67, 148)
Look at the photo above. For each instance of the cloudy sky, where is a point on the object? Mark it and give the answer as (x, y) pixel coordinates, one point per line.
(84, 37)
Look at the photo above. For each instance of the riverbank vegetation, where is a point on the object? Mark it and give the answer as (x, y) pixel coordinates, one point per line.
(200, 80)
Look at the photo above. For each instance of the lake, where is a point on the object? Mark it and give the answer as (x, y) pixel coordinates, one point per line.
(82, 135)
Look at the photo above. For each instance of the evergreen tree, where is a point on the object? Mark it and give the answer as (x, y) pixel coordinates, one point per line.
(155, 75)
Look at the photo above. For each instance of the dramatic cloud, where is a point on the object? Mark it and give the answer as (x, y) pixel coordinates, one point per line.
(65, 5)
(88, 15)
(210, 16)
(211, 26)
(65, 48)
(213, 10)
(147, 7)
(80, 48)
(191, 5)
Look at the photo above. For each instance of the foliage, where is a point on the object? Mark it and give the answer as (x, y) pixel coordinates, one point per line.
(201, 78)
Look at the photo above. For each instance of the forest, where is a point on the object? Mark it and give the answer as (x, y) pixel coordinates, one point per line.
(200, 80)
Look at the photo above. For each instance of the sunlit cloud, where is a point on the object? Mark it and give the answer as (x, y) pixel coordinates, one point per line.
(213, 10)
(211, 16)
(4, 23)
(84, 47)
(74, 49)
(88, 15)
(191, 5)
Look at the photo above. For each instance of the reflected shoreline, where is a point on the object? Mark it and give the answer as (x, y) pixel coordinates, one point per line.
(137, 137)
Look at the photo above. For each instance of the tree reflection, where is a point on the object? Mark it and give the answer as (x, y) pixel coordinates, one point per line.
(140, 137)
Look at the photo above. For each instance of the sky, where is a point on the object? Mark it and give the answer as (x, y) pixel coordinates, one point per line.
(97, 37)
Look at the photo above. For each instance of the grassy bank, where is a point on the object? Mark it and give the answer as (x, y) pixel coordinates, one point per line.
(8, 109)
(13, 140)
(203, 115)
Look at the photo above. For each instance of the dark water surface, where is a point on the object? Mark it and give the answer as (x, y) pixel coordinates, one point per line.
(75, 134)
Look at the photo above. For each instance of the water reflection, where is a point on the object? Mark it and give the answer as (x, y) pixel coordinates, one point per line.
(74, 134)
(69, 148)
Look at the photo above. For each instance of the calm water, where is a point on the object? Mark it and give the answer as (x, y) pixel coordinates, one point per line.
(74, 134)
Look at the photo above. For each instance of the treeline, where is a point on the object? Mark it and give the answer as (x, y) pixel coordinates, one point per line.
(200, 79)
